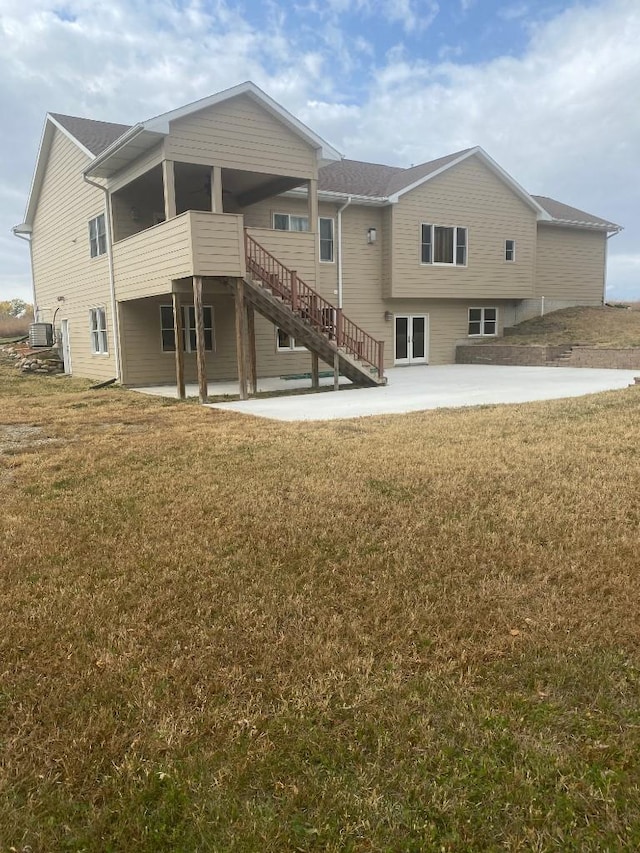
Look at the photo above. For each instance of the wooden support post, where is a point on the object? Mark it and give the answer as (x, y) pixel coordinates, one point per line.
(336, 371)
(312, 204)
(315, 373)
(203, 391)
(216, 189)
(339, 327)
(241, 338)
(177, 334)
(169, 183)
(380, 359)
(294, 290)
(253, 360)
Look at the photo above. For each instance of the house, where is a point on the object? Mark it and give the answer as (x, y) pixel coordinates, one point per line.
(225, 239)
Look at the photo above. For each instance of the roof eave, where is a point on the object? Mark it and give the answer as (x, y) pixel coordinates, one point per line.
(608, 227)
(50, 124)
(99, 162)
(332, 195)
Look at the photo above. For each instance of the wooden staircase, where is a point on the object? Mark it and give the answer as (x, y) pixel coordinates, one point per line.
(278, 294)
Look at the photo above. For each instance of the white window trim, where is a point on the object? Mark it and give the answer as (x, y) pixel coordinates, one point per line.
(288, 215)
(482, 309)
(185, 318)
(96, 333)
(434, 225)
(292, 344)
(513, 259)
(98, 254)
(333, 240)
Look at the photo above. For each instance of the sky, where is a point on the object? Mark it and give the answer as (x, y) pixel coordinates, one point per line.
(549, 88)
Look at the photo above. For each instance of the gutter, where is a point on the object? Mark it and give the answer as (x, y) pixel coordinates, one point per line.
(340, 288)
(119, 143)
(112, 287)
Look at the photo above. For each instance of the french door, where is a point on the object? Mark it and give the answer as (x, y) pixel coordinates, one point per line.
(411, 339)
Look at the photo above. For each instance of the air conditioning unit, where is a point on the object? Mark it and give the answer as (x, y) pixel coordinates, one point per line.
(41, 335)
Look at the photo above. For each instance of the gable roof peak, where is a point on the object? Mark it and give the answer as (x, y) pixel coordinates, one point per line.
(91, 135)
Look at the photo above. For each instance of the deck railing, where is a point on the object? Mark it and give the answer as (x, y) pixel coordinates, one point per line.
(314, 309)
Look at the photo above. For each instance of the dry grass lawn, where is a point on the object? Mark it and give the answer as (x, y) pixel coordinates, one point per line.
(608, 326)
(409, 633)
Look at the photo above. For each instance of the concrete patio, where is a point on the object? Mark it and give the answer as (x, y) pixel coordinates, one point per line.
(414, 389)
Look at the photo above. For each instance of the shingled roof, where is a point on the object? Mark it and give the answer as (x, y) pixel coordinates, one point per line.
(572, 215)
(373, 180)
(346, 177)
(95, 136)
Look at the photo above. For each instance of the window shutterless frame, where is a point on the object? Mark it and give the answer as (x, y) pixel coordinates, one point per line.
(290, 222)
(285, 343)
(97, 236)
(98, 331)
(326, 240)
(510, 250)
(483, 322)
(167, 333)
(444, 245)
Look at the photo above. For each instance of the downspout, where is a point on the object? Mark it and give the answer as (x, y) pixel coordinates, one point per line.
(23, 236)
(340, 209)
(112, 287)
(606, 261)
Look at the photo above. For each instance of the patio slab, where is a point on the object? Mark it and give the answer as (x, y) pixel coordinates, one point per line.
(414, 389)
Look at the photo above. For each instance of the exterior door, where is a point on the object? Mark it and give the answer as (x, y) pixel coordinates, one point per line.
(66, 347)
(411, 338)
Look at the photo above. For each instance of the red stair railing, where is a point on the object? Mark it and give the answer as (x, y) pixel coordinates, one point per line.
(314, 309)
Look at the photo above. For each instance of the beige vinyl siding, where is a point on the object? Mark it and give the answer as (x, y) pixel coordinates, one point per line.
(387, 249)
(65, 276)
(472, 196)
(143, 164)
(362, 269)
(297, 250)
(240, 134)
(448, 324)
(144, 362)
(570, 264)
(217, 243)
(194, 243)
(145, 263)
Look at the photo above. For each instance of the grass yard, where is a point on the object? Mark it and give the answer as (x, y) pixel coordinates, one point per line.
(409, 633)
(606, 326)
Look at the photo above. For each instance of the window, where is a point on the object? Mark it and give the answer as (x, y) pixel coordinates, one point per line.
(98, 329)
(444, 245)
(288, 222)
(326, 240)
(285, 343)
(483, 321)
(97, 236)
(188, 328)
(509, 250)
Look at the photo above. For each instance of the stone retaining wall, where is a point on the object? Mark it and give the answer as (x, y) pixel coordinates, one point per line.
(530, 355)
(621, 359)
(542, 354)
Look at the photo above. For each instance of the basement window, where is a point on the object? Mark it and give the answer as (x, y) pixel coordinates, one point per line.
(188, 328)
(98, 330)
(483, 322)
(97, 236)
(286, 343)
(443, 244)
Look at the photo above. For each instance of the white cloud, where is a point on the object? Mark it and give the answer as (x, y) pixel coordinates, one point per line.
(561, 118)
